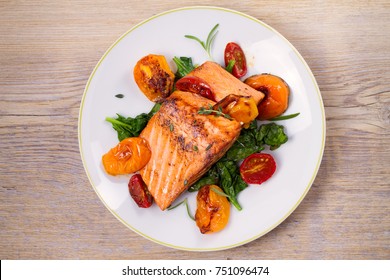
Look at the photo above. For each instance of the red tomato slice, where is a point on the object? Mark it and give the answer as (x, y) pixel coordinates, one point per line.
(257, 168)
(195, 85)
(234, 52)
(139, 191)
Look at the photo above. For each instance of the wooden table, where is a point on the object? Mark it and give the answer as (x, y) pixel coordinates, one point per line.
(48, 208)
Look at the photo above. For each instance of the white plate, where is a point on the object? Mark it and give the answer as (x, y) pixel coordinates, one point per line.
(265, 206)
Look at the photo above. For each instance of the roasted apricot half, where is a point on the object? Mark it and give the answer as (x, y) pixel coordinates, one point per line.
(241, 108)
(128, 156)
(276, 92)
(154, 77)
(213, 210)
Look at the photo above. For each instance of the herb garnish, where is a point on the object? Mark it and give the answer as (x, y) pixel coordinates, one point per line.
(285, 117)
(185, 202)
(217, 191)
(210, 38)
(212, 111)
(230, 65)
(120, 95)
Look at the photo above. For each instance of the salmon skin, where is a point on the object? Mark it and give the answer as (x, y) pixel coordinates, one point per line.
(184, 144)
(222, 83)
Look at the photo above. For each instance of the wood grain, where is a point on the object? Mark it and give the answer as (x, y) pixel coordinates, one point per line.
(48, 209)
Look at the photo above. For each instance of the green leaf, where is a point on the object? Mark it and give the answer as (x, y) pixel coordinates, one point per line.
(185, 202)
(131, 127)
(196, 39)
(217, 191)
(230, 65)
(261, 132)
(154, 110)
(271, 134)
(226, 178)
(285, 117)
(184, 66)
(237, 153)
(210, 178)
(210, 38)
(244, 146)
(227, 182)
(239, 183)
(275, 136)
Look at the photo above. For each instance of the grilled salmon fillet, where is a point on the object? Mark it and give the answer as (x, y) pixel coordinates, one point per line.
(184, 144)
(222, 83)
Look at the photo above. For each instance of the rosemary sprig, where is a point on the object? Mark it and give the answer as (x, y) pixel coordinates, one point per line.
(185, 202)
(285, 117)
(210, 38)
(212, 111)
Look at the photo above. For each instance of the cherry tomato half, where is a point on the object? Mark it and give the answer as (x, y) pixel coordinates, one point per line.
(257, 168)
(234, 52)
(195, 85)
(139, 191)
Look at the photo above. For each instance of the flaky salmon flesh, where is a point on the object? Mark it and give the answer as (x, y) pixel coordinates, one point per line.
(184, 144)
(222, 83)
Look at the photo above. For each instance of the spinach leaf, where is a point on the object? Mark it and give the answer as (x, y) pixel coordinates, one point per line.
(226, 183)
(244, 146)
(237, 182)
(230, 181)
(210, 178)
(184, 66)
(205, 180)
(272, 135)
(131, 127)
